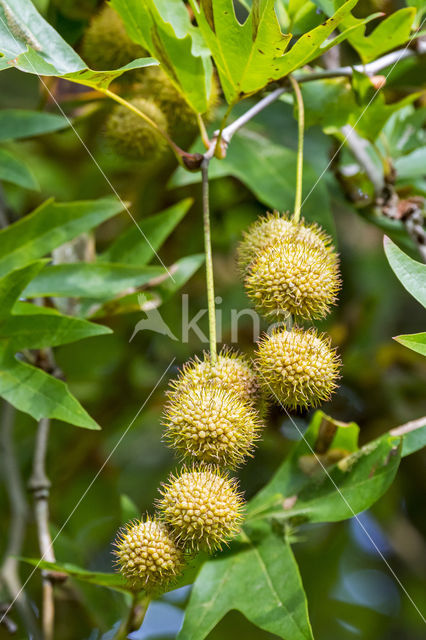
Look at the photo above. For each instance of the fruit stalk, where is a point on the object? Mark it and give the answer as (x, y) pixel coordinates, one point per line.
(301, 127)
(209, 260)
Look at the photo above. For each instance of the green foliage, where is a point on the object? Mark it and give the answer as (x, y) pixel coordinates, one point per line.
(14, 170)
(23, 123)
(30, 44)
(410, 273)
(163, 28)
(250, 55)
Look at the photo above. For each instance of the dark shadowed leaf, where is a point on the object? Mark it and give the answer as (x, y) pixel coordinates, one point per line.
(16, 124)
(139, 243)
(110, 580)
(49, 226)
(13, 169)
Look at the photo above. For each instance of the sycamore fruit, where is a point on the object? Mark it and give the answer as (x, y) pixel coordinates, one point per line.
(202, 507)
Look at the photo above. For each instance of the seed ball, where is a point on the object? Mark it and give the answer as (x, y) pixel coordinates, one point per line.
(231, 372)
(131, 135)
(203, 508)
(211, 424)
(297, 368)
(271, 228)
(295, 277)
(146, 555)
(106, 44)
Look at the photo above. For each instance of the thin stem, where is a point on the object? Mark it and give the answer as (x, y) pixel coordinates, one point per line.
(301, 129)
(209, 260)
(135, 617)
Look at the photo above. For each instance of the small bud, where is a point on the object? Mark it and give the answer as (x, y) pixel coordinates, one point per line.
(297, 368)
(147, 555)
(203, 508)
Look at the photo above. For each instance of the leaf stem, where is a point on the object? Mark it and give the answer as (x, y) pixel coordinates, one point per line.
(209, 260)
(135, 617)
(301, 130)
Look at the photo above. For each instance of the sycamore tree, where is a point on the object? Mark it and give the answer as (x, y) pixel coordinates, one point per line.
(266, 155)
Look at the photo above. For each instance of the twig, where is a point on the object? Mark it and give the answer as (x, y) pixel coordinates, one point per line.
(301, 129)
(39, 484)
(19, 514)
(369, 69)
(209, 259)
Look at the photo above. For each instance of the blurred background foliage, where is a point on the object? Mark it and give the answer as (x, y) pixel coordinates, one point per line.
(350, 592)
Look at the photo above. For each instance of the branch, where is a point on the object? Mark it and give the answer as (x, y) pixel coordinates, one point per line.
(19, 515)
(369, 69)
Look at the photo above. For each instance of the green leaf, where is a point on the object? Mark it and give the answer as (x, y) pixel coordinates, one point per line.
(392, 32)
(250, 55)
(12, 285)
(39, 331)
(156, 295)
(410, 273)
(138, 244)
(258, 577)
(89, 280)
(14, 170)
(413, 436)
(412, 165)
(30, 44)
(272, 180)
(111, 580)
(42, 396)
(129, 510)
(317, 489)
(163, 27)
(48, 227)
(16, 124)
(414, 341)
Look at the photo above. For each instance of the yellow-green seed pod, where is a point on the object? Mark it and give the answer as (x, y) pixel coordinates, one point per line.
(209, 424)
(297, 368)
(203, 507)
(147, 555)
(293, 277)
(132, 136)
(231, 372)
(106, 44)
(270, 229)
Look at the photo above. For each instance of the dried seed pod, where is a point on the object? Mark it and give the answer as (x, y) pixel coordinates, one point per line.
(293, 277)
(271, 228)
(106, 44)
(203, 508)
(231, 372)
(211, 424)
(132, 136)
(297, 368)
(147, 555)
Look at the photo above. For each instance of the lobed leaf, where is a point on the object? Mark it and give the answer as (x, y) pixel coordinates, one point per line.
(163, 27)
(259, 577)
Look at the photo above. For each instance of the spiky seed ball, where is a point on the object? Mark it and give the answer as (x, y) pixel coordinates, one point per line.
(211, 424)
(131, 135)
(106, 44)
(297, 368)
(293, 276)
(271, 228)
(203, 507)
(147, 555)
(231, 372)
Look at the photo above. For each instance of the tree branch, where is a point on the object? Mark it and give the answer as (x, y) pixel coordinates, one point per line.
(19, 515)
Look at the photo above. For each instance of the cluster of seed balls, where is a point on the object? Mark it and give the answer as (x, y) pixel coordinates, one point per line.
(213, 416)
(106, 45)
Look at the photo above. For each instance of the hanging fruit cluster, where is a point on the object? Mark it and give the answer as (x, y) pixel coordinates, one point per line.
(213, 416)
(106, 45)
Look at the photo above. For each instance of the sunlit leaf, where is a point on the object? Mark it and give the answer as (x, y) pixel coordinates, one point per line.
(414, 341)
